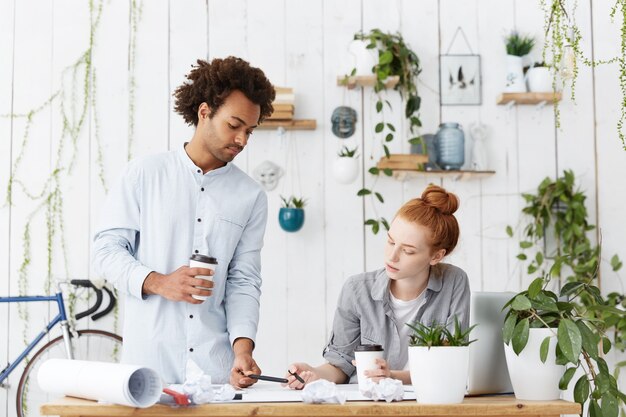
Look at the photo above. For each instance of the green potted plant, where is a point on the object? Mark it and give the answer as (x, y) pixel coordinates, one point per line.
(567, 327)
(548, 338)
(439, 362)
(346, 166)
(517, 46)
(394, 58)
(291, 214)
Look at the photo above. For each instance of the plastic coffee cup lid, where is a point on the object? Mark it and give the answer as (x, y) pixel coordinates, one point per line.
(369, 348)
(203, 258)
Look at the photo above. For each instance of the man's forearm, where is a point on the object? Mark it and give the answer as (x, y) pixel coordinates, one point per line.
(151, 284)
(243, 345)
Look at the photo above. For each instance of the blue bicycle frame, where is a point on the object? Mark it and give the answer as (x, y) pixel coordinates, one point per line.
(60, 318)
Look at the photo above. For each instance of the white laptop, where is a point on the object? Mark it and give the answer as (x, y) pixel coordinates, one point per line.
(488, 373)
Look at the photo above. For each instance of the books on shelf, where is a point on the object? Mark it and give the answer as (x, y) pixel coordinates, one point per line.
(283, 104)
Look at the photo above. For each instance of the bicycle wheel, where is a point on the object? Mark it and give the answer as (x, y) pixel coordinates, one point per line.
(92, 345)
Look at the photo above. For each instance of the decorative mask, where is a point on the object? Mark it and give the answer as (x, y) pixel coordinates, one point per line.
(268, 174)
(344, 121)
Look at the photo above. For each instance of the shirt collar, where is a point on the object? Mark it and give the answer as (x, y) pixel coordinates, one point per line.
(380, 289)
(191, 165)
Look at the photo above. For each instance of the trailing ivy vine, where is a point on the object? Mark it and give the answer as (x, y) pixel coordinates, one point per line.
(394, 58)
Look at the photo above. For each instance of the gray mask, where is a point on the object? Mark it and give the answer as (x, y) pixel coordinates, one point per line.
(344, 122)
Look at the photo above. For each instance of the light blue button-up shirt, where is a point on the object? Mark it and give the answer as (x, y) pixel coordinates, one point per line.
(163, 210)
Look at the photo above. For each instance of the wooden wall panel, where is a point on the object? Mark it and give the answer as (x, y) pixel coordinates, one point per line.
(6, 140)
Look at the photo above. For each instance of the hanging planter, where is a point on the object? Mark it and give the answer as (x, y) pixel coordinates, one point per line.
(346, 166)
(291, 215)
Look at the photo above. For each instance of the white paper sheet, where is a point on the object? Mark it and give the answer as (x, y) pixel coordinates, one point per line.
(272, 392)
(102, 381)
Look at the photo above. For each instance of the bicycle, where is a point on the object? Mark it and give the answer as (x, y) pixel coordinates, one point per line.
(97, 345)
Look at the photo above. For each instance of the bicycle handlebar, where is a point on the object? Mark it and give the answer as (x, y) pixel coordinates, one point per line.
(88, 284)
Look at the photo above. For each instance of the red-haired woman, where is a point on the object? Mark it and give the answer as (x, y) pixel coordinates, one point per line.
(414, 286)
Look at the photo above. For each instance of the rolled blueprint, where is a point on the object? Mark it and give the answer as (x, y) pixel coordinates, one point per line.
(116, 383)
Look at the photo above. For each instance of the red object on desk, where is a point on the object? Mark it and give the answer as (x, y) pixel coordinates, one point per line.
(179, 398)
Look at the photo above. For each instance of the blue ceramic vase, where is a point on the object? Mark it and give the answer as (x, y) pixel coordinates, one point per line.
(291, 219)
(450, 146)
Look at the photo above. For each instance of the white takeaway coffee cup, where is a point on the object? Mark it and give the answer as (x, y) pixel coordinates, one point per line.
(202, 261)
(365, 357)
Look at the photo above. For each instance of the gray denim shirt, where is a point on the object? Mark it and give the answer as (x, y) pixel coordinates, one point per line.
(364, 314)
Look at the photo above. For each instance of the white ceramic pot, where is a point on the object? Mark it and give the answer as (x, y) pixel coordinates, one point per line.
(514, 75)
(439, 374)
(363, 59)
(539, 79)
(345, 169)
(532, 379)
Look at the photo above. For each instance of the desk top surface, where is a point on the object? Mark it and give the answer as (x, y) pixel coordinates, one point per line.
(471, 406)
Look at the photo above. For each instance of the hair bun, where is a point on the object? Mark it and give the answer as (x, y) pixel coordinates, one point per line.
(440, 199)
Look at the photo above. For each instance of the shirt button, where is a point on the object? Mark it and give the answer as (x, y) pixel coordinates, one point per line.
(202, 189)
(199, 171)
(191, 316)
(199, 220)
(190, 349)
(196, 251)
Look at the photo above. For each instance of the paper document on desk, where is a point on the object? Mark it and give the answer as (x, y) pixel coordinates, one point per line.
(268, 392)
(101, 381)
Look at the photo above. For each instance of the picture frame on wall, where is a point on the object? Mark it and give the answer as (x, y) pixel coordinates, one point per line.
(459, 80)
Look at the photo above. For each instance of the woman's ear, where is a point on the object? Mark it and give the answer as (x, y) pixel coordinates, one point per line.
(437, 256)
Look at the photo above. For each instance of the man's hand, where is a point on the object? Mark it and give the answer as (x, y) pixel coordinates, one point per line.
(305, 371)
(243, 364)
(180, 285)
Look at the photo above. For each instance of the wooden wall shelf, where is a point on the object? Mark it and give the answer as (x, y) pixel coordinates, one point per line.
(404, 174)
(302, 124)
(528, 98)
(366, 81)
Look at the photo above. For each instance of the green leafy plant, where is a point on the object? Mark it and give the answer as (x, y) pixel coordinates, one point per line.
(395, 58)
(579, 337)
(519, 45)
(346, 152)
(293, 202)
(556, 213)
(437, 334)
(563, 42)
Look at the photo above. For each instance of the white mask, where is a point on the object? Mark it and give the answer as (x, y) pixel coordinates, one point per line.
(268, 174)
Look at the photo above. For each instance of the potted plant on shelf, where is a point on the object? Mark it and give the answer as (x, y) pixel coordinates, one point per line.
(439, 362)
(517, 46)
(346, 166)
(394, 58)
(539, 78)
(291, 214)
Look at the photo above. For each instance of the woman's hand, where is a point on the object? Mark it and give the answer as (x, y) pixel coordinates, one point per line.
(382, 371)
(305, 371)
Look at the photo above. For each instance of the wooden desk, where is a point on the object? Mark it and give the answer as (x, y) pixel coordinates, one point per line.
(474, 406)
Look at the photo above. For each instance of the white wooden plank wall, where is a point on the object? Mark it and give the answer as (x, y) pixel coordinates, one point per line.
(301, 44)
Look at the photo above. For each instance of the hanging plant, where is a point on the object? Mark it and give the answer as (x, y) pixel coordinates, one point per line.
(563, 38)
(395, 58)
(291, 214)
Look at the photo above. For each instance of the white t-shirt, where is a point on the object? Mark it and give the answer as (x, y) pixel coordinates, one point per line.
(404, 312)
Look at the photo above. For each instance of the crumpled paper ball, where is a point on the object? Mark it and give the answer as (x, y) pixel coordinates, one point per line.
(387, 389)
(322, 392)
(199, 388)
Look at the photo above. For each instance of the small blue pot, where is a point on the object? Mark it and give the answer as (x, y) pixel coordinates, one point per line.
(291, 219)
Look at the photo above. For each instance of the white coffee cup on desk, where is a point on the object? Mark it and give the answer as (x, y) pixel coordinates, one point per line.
(365, 357)
(202, 261)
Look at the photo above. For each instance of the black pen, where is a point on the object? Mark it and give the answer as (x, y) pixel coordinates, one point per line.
(268, 378)
(296, 375)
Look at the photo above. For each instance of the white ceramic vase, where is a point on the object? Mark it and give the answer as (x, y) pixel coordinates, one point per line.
(345, 169)
(439, 374)
(363, 59)
(514, 75)
(531, 378)
(539, 79)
